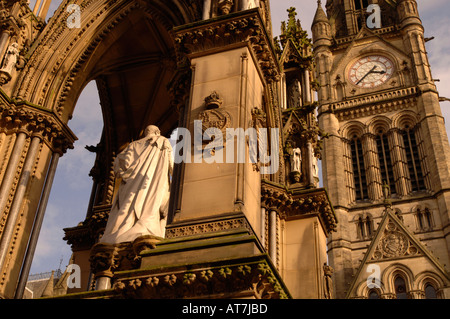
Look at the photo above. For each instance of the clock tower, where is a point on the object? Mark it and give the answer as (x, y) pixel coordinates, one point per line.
(386, 161)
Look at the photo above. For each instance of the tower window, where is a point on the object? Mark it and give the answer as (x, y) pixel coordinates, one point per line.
(400, 288)
(365, 227)
(386, 165)
(359, 171)
(424, 219)
(412, 155)
(430, 292)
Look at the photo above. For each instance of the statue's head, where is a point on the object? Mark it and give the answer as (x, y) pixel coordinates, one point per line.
(152, 130)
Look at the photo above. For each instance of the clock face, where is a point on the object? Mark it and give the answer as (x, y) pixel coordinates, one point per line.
(371, 71)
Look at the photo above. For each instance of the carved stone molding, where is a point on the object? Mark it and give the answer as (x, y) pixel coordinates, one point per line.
(207, 227)
(215, 119)
(371, 105)
(36, 122)
(105, 258)
(242, 27)
(256, 278)
(290, 205)
(87, 232)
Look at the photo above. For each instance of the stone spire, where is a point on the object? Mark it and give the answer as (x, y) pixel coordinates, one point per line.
(320, 14)
(321, 27)
(48, 291)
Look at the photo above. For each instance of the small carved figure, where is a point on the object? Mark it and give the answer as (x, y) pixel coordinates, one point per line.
(141, 205)
(295, 95)
(328, 282)
(225, 6)
(11, 58)
(315, 167)
(296, 160)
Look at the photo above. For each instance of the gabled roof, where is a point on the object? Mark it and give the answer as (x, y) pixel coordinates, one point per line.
(393, 242)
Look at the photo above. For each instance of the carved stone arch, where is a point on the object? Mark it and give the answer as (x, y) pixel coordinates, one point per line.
(379, 123)
(353, 128)
(405, 118)
(391, 272)
(67, 51)
(428, 277)
(363, 290)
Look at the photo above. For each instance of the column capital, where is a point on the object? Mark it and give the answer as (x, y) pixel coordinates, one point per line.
(22, 117)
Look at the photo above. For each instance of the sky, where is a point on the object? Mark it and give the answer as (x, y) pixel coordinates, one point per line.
(72, 186)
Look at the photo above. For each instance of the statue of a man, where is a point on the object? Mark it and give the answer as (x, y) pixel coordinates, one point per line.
(141, 206)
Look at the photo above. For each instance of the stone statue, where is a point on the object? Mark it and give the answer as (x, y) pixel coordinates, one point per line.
(296, 160)
(315, 167)
(328, 282)
(140, 208)
(11, 58)
(295, 95)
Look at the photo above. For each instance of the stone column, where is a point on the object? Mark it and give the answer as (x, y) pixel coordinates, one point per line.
(372, 167)
(206, 9)
(37, 227)
(273, 235)
(4, 40)
(11, 169)
(18, 199)
(400, 163)
(263, 226)
(307, 88)
(102, 265)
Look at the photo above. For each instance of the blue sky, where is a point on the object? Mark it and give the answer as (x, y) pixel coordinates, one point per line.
(72, 186)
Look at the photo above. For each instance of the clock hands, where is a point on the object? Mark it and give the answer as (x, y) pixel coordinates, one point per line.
(370, 72)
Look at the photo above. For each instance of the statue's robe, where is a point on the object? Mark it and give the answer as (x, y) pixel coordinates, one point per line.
(141, 205)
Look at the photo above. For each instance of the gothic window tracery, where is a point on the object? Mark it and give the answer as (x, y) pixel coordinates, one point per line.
(385, 158)
(359, 171)
(400, 287)
(365, 227)
(385, 152)
(430, 291)
(413, 157)
(424, 219)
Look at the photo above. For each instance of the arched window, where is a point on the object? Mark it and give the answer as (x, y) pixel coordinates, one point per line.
(369, 226)
(400, 288)
(359, 171)
(428, 218)
(430, 292)
(365, 227)
(424, 219)
(419, 219)
(412, 155)
(386, 164)
(361, 227)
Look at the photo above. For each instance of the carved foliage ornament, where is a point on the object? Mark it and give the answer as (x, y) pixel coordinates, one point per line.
(30, 120)
(257, 278)
(247, 28)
